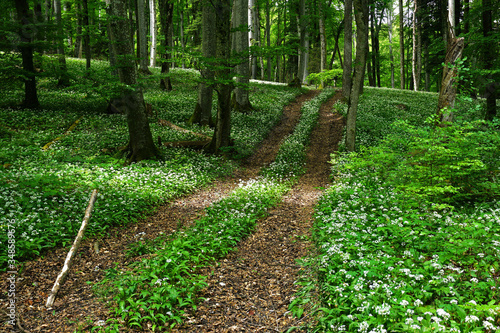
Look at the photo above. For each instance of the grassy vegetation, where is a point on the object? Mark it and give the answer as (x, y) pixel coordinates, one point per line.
(408, 237)
(45, 192)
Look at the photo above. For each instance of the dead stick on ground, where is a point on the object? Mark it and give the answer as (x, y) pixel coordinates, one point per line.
(72, 251)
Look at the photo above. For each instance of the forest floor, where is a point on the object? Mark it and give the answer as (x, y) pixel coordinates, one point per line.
(248, 291)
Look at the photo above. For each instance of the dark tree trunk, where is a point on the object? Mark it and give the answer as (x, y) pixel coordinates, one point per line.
(347, 78)
(490, 53)
(63, 72)
(166, 14)
(336, 48)
(361, 14)
(223, 75)
(141, 145)
(26, 34)
(86, 36)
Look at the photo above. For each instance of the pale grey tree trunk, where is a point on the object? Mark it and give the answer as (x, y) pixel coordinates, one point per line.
(346, 76)
(361, 14)
(183, 42)
(304, 41)
(141, 145)
(268, 39)
(152, 32)
(417, 48)
(401, 44)
(322, 38)
(241, 100)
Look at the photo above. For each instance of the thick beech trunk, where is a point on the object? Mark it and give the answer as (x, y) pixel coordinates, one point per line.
(143, 41)
(203, 110)
(166, 15)
(141, 145)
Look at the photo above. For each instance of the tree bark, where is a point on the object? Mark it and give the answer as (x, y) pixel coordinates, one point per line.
(322, 38)
(141, 145)
(63, 72)
(448, 91)
(361, 14)
(203, 110)
(346, 77)
(26, 34)
(336, 48)
(401, 44)
(391, 56)
(241, 102)
(166, 16)
(490, 53)
(143, 41)
(417, 47)
(86, 34)
(268, 40)
(152, 32)
(223, 75)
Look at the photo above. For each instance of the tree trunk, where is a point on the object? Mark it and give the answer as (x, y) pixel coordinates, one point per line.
(203, 110)
(490, 53)
(268, 39)
(417, 47)
(322, 39)
(63, 73)
(166, 14)
(241, 103)
(448, 91)
(402, 44)
(336, 48)
(223, 75)
(361, 14)
(183, 42)
(302, 28)
(372, 65)
(391, 56)
(143, 41)
(86, 34)
(26, 34)
(152, 32)
(141, 145)
(346, 77)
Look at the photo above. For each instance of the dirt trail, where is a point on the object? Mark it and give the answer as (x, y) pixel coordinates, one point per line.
(251, 289)
(267, 257)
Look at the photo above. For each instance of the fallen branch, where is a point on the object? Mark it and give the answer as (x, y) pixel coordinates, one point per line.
(164, 122)
(69, 258)
(72, 127)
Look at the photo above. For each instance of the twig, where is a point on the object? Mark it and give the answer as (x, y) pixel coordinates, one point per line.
(72, 251)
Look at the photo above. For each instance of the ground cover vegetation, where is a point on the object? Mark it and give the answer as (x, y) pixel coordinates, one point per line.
(45, 190)
(408, 235)
(155, 292)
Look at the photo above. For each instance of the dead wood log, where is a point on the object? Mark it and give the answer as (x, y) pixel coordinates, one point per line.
(191, 144)
(69, 258)
(164, 122)
(72, 127)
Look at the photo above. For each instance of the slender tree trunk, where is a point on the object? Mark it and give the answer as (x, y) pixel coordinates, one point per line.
(322, 38)
(490, 53)
(63, 73)
(143, 41)
(402, 44)
(417, 47)
(427, 67)
(203, 110)
(183, 41)
(391, 56)
(268, 39)
(372, 65)
(222, 133)
(152, 32)
(336, 48)
(79, 32)
(302, 27)
(166, 14)
(26, 34)
(86, 35)
(141, 145)
(67, 9)
(347, 78)
(241, 102)
(361, 14)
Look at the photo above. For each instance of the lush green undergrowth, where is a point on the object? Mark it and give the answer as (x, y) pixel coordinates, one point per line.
(408, 237)
(45, 192)
(156, 291)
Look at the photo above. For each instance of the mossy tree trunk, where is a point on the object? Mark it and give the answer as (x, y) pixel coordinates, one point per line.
(241, 101)
(361, 14)
(202, 114)
(141, 145)
(223, 77)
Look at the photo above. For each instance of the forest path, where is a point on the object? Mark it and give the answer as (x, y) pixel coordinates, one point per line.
(250, 290)
(273, 250)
